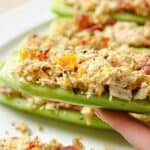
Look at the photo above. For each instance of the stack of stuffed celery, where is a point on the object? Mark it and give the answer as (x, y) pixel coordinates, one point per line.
(80, 28)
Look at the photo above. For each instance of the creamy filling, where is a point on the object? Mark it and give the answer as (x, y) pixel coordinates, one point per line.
(139, 7)
(89, 35)
(84, 35)
(122, 72)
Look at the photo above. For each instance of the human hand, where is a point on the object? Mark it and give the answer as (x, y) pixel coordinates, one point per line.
(134, 131)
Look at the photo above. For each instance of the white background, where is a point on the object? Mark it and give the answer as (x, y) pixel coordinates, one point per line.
(6, 5)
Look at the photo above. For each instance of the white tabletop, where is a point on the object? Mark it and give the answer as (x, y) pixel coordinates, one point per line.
(6, 5)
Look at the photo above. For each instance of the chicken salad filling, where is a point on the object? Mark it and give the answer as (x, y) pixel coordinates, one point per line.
(88, 34)
(138, 7)
(122, 72)
(120, 33)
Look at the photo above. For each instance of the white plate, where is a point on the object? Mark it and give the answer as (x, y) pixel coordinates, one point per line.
(34, 17)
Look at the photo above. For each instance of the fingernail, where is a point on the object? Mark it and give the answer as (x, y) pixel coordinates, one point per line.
(99, 113)
(102, 114)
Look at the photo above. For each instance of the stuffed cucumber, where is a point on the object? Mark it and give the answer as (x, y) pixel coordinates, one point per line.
(132, 11)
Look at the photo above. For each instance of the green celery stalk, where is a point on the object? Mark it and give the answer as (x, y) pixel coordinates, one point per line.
(69, 116)
(122, 16)
(64, 10)
(58, 94)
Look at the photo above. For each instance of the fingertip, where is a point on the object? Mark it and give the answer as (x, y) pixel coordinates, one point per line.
(127, 126)
(110, 116)
(100, 113)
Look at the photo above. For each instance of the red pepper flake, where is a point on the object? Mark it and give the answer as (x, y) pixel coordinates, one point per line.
(83, 42)
(110, 21)
(31, 146)
(105, 41)
(97, 27)
(43, 55)
(145, 65)
(83, 22)
(34, 35)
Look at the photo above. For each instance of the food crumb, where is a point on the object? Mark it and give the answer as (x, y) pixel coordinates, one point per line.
(40, 128)
(13, 124)
(21, 127)
(6, 132)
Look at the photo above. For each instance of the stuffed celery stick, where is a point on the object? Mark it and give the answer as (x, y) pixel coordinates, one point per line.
(53, 110)
(68, 113)
(85, 33)
(112, 78)
(132, 11)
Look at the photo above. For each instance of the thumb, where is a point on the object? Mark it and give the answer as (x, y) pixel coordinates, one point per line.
(134, 131)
